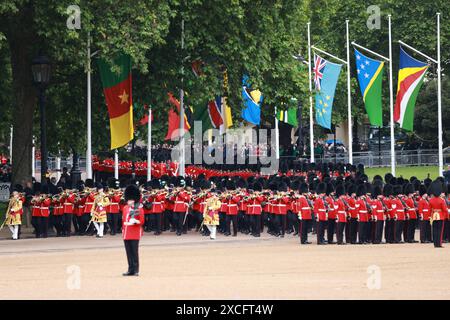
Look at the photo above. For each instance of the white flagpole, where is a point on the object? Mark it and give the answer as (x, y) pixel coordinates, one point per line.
(10, 143)
(277, 137)
(311, 123)
(391, 100)
(33, 159)
(116, 164)
(149, 145)
(349, 100)
(88, 142)
(440, 142)
(181, 165)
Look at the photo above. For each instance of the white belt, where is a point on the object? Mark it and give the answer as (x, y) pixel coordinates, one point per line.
(253, 205)
(363, 211)
(341, 211)
(305, 208)
(156, 202)
(380, 210)
(232, 205)
(425, 210)
(43, 208)
(350, 208)
(322, 210)
(113, 203)
(179, 202)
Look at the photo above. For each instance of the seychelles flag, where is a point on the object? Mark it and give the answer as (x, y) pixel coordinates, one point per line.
(118, 96)
(326, 75)
(370, 76)
(410, 78)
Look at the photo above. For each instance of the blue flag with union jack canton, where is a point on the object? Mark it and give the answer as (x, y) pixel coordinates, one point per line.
(326, 75)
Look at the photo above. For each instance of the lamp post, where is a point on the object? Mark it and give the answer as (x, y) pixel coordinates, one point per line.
(40, 68)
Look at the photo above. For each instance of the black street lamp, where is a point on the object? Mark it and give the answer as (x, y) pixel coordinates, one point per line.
(40, 67)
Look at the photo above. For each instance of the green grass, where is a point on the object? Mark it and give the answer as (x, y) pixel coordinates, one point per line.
(421, 172)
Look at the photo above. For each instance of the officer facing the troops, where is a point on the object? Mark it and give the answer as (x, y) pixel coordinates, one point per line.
(132, 222)
(438, 209)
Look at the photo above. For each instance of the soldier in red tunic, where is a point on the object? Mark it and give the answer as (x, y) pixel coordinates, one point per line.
(424, 215)
(304, 207)
(438, 209)
(132, 221)
(389, 228)
(68, 207)
(332, 213)
(399, 217)
(341, 213)
(113, 211)
(362, 208)
(320, 210)
(254, 208)
(378, 213)
(411, 214)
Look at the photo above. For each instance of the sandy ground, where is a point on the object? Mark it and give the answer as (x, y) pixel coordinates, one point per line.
(193, 267)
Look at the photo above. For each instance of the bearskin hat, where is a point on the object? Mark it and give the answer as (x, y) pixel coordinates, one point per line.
(321, 188)
(257, 186)
(89, 183)
(422, 189)
(351, 189)
(376, 191)
(303, 188)
(99, 186)
(330, 189)
(282, 187)
(360, 190)
(132, 193)
(388, 190)
(408, 188)
(435, 188)
(398, 189)
(340, 190)
(230, 185)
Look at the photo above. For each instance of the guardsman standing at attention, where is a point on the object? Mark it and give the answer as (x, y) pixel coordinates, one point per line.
(68, 211)
(304, 213)
(389, 228)
(45, 211)
(332, 214)
(341, 213)
(132, 221)
(424, 215)
(378, 213)
(320, 210)
(438, 209)
(411, 214)
(397, 204)
(362, 207)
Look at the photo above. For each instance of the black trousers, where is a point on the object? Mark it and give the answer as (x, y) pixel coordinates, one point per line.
(155, 219)
(58, 224)
(330, 230)
(255, 224)
(228, 219)
(279, 224)
(425, 231)
(113, 220)
(132, 250)
(75, 222)
(340, 227)
(389, 230)
(347, 231)
(321, 226)
(399, 226)
(292, 221)
(84, 222)
(379, 224)
(222, 222)
(178, 218)
(35, 222)
(43, 226)
(67, 224)
(304, 228)
(362, 232)
(243, 222)
(446, 234)
(411, 229)
(438, 232)
(353, 230)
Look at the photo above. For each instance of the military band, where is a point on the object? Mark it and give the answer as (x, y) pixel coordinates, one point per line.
(337, 209)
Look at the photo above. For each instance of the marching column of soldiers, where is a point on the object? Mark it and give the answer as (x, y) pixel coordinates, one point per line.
(334, 206)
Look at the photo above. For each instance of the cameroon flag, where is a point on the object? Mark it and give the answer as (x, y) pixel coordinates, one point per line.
(118, 96)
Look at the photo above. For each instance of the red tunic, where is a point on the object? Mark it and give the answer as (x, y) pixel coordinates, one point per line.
(45, 207)
(332, 210)
(254, 205)
(319, 209)
(304, 208)
(411, 209)
(133, 232)
(363, 214)
(352, 207)
(232, 205)
(181, 202)
(377, 210)
(424, 209)
(341, 213)
(398, 208)
(68, 203)
(438, 208)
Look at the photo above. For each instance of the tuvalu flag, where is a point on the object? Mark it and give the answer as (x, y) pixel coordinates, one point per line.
(370, 78)
(118, 96)
(410, 78)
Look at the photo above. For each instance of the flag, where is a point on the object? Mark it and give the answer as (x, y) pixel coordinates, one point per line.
(174, 118)
(209, 115)
(118, 96)
(252, 103)
(326, 75)
(370, 78)
(288, 116)
(144, 120)
(410, 78)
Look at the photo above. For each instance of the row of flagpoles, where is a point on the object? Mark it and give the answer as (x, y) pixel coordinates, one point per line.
(346, 62)
(311, 47)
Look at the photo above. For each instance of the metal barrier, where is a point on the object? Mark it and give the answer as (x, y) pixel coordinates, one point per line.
(368, 159)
